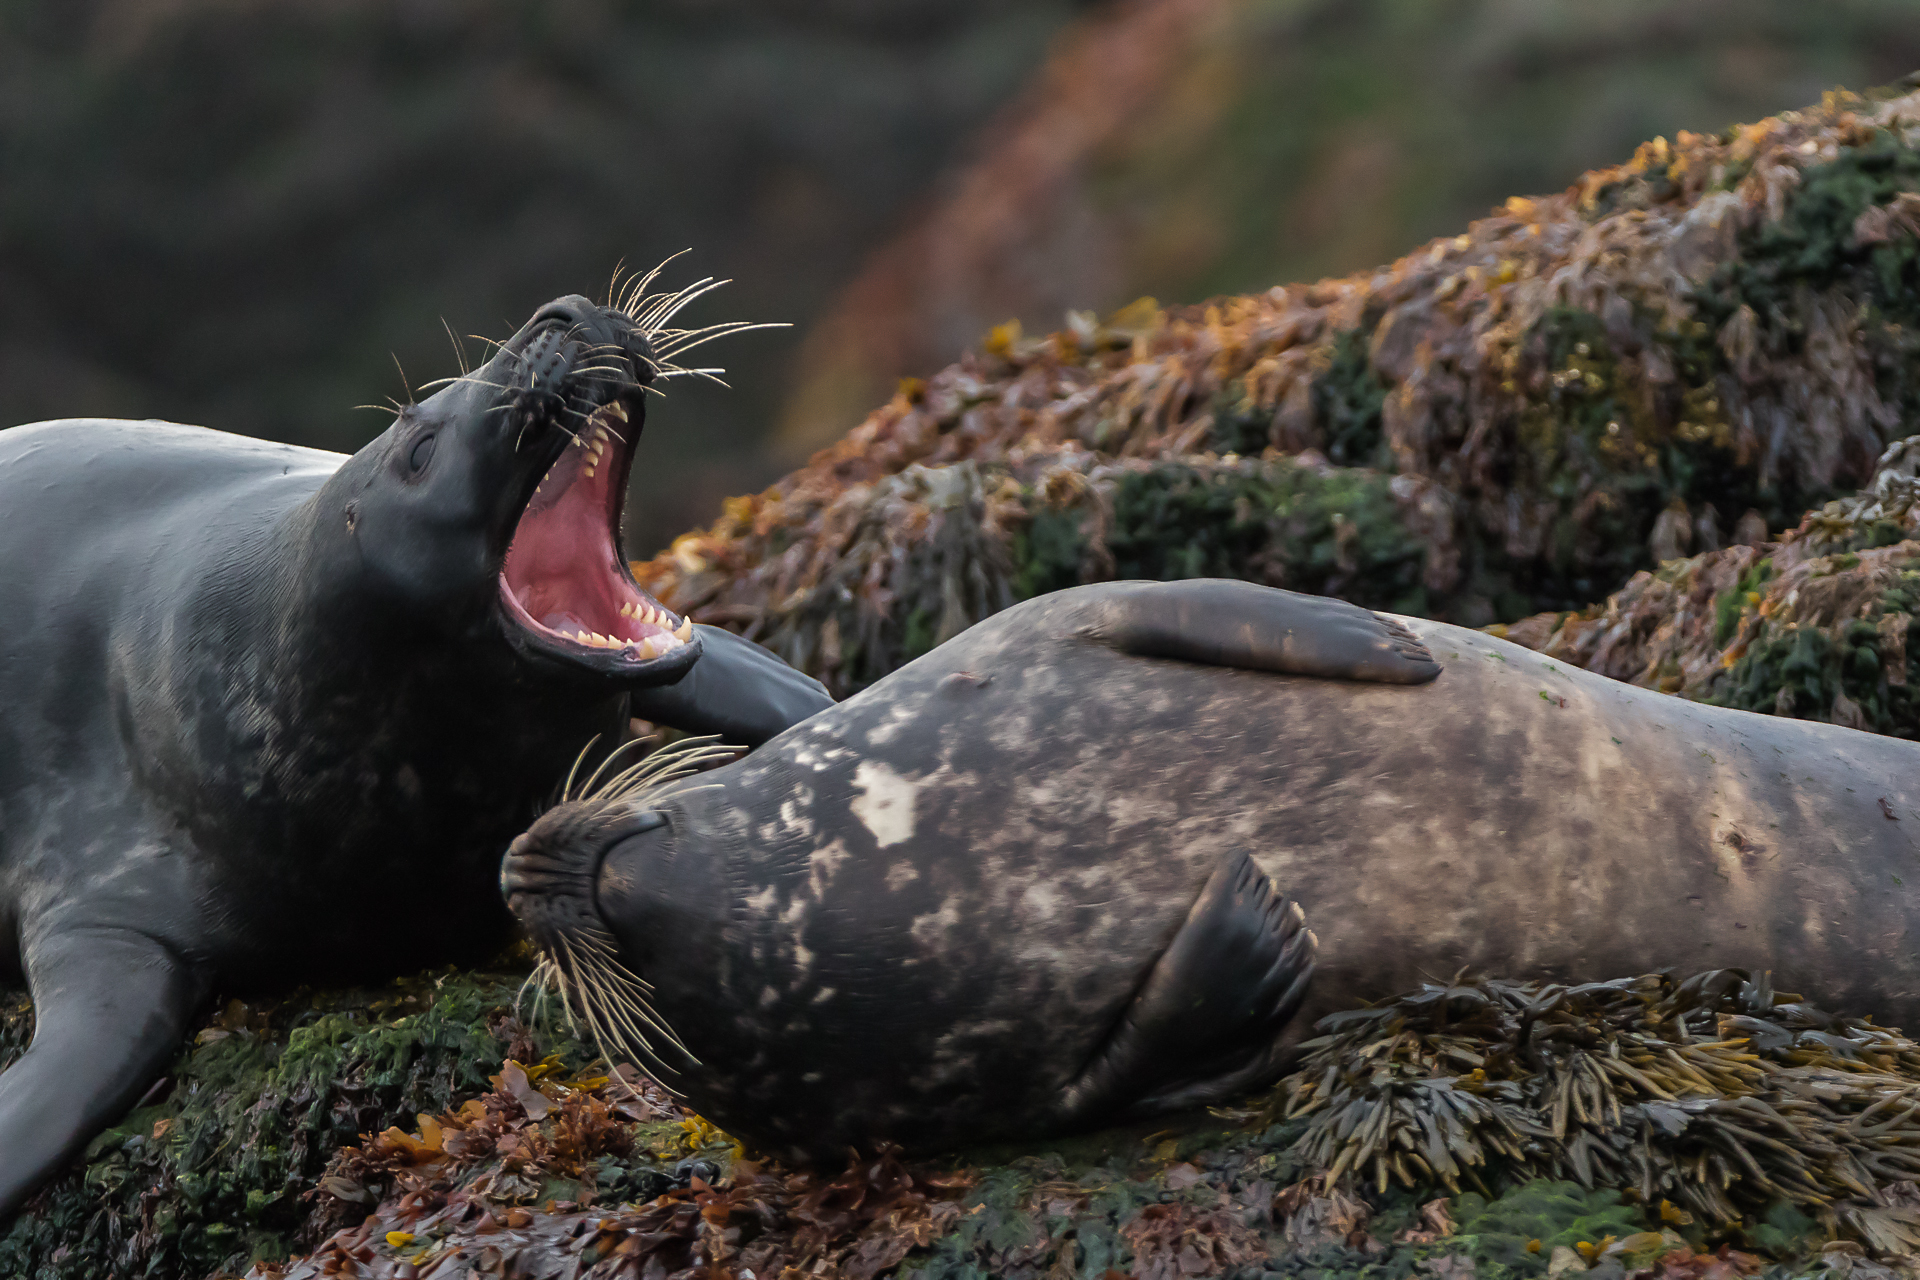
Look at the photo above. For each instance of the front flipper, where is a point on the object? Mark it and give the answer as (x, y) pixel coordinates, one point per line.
(1206, 1022)
(736, 690)
(109, 1009)
(1229, 623)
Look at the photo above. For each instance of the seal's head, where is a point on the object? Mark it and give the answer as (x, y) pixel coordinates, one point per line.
(556, 873)
(497, 501)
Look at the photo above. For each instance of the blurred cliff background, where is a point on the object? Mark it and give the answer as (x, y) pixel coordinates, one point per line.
(243, 214)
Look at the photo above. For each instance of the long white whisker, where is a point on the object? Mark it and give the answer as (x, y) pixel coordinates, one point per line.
(613, 283)
(666, 310)
(674, 756)
(680, 348)
(586, 787)
(607, 1019)
(566, 790)
(661, 306)
(637, 290)
(608, 975)
(644, 788)
(459, 352)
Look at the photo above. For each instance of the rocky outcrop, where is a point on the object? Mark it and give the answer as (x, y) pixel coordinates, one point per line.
(1183, 148)
(1681, 352)
(1819, 625)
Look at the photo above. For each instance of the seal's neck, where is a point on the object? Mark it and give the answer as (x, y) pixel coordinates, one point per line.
(287, 656)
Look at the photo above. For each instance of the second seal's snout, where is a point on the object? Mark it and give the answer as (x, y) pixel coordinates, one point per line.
(548, 874)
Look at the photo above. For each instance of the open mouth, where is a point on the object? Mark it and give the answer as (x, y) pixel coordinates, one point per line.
(564, 580)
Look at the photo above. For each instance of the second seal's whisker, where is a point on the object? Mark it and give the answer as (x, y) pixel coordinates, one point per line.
(612, 755)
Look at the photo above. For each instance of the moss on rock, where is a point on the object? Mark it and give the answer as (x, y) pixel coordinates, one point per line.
(1819, 626)
(511, 1180)
(215, 1167)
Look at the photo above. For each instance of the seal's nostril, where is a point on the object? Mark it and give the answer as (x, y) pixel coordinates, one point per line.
(557, 313)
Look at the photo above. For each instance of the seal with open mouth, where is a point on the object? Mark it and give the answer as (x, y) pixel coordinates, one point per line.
(271, 715)
(1032, 881)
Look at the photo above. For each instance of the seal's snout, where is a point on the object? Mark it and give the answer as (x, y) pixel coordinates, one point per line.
(548, 879)
(575, 379)
(594, 338)
(577, 355)
(548, 874)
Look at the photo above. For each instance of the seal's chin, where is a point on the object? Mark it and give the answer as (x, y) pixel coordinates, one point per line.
(564, 581)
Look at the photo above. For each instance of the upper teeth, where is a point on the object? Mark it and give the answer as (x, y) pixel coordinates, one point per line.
(643, 613)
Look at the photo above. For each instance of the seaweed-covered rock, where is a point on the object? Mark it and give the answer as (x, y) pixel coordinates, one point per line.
(1697, 1130)
(1192, 147)
(1710, 1099)
(1689, 347)
(218, 1165)
(1818, 625)
(910, 560)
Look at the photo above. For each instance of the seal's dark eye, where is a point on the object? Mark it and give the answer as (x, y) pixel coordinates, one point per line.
(422, 454)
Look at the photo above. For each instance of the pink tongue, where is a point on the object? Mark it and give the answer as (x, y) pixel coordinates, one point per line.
(561, 564)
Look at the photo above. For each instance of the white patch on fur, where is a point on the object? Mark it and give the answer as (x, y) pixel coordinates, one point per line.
(794, 815)
(822, 864)
(900, 875)
(899, 716)
(931, 929)
(885, 805)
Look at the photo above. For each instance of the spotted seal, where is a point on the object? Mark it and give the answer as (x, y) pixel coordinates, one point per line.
(257, 702)
(1033, 880)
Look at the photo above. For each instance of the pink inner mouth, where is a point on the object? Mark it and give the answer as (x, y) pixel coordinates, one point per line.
(564, 578)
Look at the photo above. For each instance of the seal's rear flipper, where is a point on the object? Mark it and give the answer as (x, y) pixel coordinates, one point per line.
(109, 1009)
(1206, 1022)
(1229, 623)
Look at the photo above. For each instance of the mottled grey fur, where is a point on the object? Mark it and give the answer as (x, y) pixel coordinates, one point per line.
(921, 914)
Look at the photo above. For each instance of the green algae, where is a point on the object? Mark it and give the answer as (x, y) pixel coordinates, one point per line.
(1612, 452)
(1514, 1235)
(1801, 670)
(1728, 606)
(1005, 1227)
(1347, 402)
(1814, 248)
(1048, 551)
(1240, 424)
(1859, 671)
(214, 1172)
(1814, 242)
(1329, 531)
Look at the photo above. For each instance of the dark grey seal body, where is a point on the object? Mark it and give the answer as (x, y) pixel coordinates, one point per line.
(251, 696)
(1028, 882)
